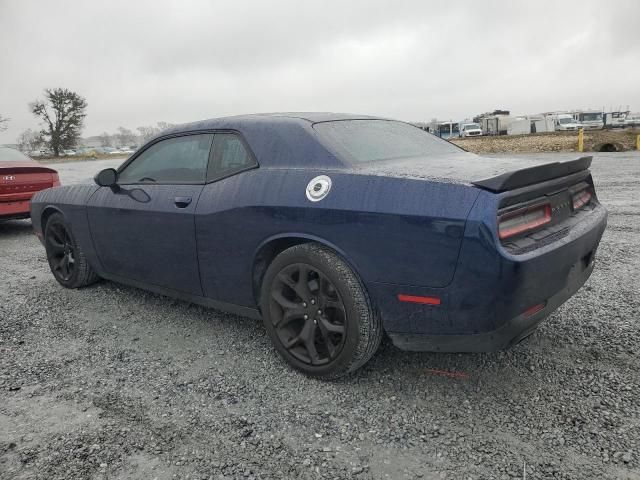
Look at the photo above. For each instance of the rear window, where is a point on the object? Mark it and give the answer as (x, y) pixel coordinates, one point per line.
(364, 141)
(11, 155)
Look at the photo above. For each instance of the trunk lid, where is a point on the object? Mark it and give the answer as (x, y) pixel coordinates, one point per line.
(21, 179)
(492, 174)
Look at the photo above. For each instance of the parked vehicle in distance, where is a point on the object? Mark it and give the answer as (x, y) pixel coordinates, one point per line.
(443, 129)
(496, 124)
(68, 153)
(470, 130)
(40, 153)
(565, 122)
(333, 228)
(589, 119)
(20, 178)
(615, 119)
(632, 120)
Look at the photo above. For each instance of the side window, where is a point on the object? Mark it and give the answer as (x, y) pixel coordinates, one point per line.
(174, 160)
(229, 155)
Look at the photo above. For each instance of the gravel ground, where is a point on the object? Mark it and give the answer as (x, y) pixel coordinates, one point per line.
(114, 382)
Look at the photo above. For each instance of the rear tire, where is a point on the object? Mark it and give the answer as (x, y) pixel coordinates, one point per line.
(317, 313)
(66, 258)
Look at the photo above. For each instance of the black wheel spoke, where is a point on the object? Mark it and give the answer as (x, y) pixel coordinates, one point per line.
(307, 336)
(287, 280)
(290, 314)
(282, 301)
(292, 342)
(55, 243)
(65, 266)
(59, 234)
(302, 286)
(59, 262)
(326, 326)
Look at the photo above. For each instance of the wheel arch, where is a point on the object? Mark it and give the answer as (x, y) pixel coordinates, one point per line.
(46, 213)
(271, 247)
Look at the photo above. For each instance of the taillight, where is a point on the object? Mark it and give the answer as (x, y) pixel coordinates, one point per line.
(523, 220)
(581, 198)
(56, 180)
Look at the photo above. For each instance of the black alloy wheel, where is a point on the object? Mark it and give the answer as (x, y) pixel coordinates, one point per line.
(66, 258)
(60, 251)
(308, 314)
(317, 312)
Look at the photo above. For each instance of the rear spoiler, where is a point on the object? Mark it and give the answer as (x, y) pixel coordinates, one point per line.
(531, 175)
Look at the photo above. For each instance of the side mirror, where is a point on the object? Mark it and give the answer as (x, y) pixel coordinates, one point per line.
(106, 178)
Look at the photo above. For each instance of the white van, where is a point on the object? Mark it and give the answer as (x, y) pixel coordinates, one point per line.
(565, 121)
(469, 130)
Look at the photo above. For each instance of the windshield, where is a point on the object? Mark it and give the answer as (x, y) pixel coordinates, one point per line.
(374, 140)
(564, 121)
(471, 126)
(12, 155)
(591, 117)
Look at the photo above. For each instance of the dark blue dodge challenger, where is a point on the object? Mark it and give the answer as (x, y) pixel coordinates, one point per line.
(334, 229)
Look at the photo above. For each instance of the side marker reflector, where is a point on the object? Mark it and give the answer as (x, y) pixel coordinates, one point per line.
(535, 309)
(418, 299)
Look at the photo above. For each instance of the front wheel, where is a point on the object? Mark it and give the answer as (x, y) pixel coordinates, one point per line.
(65, 256)
(317, 312)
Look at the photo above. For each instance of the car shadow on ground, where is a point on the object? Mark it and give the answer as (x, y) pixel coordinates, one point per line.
(15, 227)
(440, 370)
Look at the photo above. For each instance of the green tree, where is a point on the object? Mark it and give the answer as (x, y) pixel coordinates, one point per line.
(62, 113)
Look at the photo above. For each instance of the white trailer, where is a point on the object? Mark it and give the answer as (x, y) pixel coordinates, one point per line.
(615, 119)
(530, 124)
(496, 124)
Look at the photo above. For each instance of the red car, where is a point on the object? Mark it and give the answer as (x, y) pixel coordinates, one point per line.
(20, 178)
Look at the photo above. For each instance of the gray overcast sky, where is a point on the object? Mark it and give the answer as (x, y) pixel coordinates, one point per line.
(139, 62)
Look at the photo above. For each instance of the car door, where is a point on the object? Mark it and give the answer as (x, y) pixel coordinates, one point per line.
(223, 225)
(144, 229)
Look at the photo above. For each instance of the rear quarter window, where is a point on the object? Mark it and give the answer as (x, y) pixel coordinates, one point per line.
(362, 141)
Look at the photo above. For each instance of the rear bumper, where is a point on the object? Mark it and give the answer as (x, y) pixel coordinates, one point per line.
(19, 209)
(510, 333)
(495, 298)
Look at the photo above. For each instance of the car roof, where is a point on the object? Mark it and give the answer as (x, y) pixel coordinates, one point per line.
(12, 154)
(280, 139)
(273, 118)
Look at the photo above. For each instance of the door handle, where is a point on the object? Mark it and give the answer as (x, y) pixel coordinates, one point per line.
(182, 202)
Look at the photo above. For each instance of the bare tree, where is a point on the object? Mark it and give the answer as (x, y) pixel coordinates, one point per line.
(147, 133)
(164, 126)
(105, 139)
(125, 136)
(29, 140)
(62, 113)
(4, 121)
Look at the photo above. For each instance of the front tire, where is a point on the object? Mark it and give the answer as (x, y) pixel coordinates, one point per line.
(66, 258)
(317, 313)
